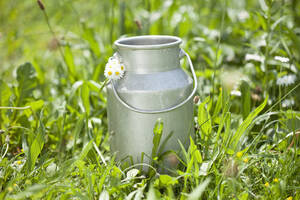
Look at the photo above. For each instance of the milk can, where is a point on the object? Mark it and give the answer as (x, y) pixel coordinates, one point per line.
(153, 88)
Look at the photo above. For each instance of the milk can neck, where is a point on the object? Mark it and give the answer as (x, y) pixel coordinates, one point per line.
(148, 54)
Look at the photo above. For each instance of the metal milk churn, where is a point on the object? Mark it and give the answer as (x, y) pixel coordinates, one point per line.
(154, 87)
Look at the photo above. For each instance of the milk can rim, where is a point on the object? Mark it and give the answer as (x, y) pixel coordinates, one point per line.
(118, 43)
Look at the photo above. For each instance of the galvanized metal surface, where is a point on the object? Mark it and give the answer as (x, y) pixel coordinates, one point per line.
(153, 80)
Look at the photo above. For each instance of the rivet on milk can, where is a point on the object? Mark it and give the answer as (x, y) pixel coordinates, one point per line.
(153, 87)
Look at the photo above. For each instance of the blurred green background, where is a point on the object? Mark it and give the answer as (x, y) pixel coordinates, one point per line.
(242, 27)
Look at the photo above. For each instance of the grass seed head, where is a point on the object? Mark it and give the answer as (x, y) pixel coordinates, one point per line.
(196, 99)
(231, 169)
(41, 5)
(138, 24)
(172, 160)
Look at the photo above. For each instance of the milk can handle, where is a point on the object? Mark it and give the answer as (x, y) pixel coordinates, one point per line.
(181, 54)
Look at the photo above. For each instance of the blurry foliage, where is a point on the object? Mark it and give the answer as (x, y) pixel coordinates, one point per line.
(247, 59)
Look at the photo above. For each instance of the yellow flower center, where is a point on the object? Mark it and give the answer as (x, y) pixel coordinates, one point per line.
(109, 73)
(276, 180)
(122, 67)
(117, 73)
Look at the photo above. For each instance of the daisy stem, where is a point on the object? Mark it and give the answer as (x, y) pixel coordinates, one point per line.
(104, 84)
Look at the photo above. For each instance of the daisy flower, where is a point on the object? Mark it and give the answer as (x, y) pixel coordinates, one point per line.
(109, 72)
(114, 69)
(117, 73)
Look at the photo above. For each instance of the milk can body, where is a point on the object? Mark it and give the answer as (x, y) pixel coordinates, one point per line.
(153, 87)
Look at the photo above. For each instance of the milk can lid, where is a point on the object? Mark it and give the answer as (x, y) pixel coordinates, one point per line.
(148, 42)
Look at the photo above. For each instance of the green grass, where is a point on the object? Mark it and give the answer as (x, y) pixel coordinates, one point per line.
(54, 142)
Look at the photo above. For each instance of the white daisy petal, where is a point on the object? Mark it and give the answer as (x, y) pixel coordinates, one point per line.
(113, 61)
(282, 59)
(286, 80)
(117, 74)
(254, 57)
(122, 67)
(114, 70)
(109, 73)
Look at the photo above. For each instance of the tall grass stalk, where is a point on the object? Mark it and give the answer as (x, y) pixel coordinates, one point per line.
(43, 9)
(224, 8)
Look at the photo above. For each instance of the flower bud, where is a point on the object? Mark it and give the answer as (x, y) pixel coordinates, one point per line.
(196, 99)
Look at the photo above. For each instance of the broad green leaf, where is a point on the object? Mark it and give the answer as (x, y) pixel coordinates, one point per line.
(36, 146)
(243, 196)
(27, 81)
(116, 172)
(35, 105)
(204, 118)
(5, 94)
(194, 151)
(85, 97)
(166, 180)
(246, 123)
(246, 99)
